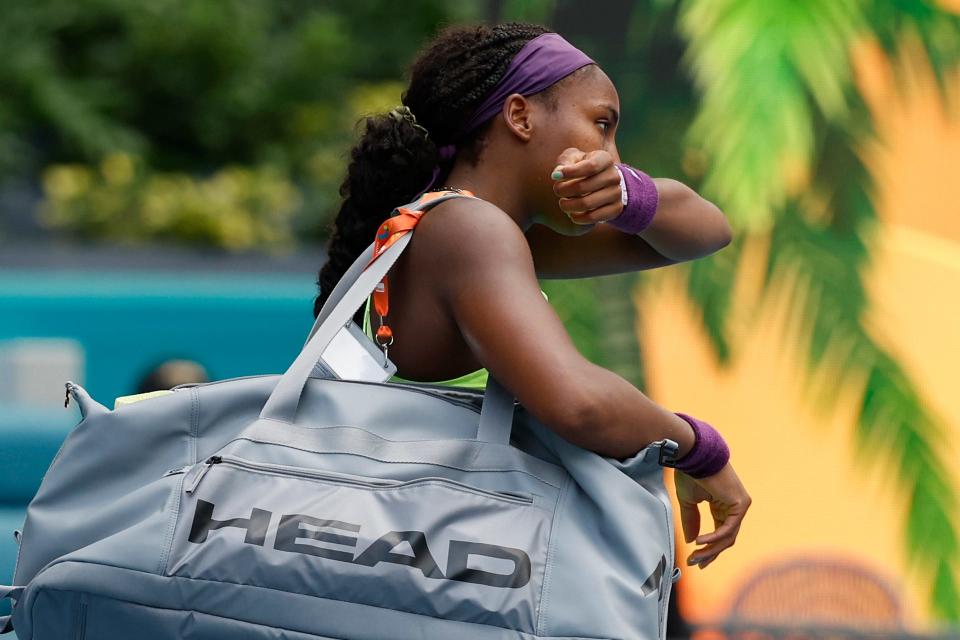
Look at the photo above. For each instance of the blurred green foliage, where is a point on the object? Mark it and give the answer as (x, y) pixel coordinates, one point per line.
(190, 92)
(236, 208)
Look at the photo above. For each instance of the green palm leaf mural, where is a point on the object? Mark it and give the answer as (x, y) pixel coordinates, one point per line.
(763, 67)
(780, 116)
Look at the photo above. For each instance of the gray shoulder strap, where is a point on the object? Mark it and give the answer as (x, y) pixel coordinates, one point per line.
(496, 415)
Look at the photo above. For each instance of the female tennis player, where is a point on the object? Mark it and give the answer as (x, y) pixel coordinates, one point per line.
(524, 121)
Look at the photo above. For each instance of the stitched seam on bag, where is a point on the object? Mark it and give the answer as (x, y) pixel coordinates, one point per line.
(541, 622)
(379, 437)
(363, 455)
(171, 527)
(324, 637)
(81, 617)
(82, 630)
(194, 424)
(255, 586)
(191, 455)
(219, 617)
(406, 442)
(33, 610)
(419, 483)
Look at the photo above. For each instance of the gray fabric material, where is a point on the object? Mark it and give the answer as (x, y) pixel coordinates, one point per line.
(108, 500)
(307, 615)
(497, 415)
(12, 592)
(375, 511)
(464, 455)
(337, 543)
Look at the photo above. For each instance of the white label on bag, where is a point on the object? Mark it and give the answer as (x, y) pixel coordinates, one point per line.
(350, 356)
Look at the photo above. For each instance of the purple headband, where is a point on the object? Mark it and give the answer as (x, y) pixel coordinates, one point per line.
(540, 63)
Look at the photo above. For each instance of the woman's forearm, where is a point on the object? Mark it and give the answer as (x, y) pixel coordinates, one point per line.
(622, 420)
(685, 226)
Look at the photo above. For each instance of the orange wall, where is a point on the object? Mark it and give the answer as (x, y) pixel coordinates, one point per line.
(812, 496)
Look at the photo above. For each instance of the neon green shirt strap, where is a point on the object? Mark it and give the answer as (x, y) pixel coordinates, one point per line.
(475, 379)
(122, 400)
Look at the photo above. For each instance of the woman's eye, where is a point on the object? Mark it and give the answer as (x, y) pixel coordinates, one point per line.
(605, 125)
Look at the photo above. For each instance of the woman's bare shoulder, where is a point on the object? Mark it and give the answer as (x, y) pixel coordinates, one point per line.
(467, 229)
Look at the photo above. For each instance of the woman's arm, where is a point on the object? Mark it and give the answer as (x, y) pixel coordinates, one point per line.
(685, 227)
(601, 251)
(491, 289)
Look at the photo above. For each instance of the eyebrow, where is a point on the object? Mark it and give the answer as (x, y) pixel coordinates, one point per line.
(614, 112)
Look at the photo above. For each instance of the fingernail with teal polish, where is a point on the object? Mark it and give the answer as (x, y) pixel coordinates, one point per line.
(557, 174)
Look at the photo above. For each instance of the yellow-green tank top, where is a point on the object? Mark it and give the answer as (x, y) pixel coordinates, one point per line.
(475, 379)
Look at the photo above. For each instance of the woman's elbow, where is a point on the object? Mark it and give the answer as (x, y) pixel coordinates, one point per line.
(721, 233)
(573, 414)
(724, 231)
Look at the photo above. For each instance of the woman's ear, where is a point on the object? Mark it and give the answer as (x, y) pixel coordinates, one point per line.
(517, 116)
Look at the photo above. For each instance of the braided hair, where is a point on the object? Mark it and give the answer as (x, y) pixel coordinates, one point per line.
(395, 157)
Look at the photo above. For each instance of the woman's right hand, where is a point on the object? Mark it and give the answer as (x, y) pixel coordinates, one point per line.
(728, 503)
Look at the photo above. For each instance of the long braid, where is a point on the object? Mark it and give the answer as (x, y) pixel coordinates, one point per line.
(394, 159)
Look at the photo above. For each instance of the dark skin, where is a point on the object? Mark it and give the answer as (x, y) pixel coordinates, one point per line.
(457, 306)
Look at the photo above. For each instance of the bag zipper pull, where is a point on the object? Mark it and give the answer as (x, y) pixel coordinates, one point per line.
(191, 484)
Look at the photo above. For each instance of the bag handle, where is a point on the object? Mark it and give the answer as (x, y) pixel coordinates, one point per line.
(360, 280)
(14, 593)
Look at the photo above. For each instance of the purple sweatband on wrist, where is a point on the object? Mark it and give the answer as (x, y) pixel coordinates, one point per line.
(642, 201)
(709, 454)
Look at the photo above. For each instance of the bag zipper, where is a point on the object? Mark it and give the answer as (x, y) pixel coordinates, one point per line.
(417, 387)
(196, 475)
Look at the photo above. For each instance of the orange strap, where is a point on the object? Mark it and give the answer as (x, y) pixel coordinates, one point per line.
(389, 232)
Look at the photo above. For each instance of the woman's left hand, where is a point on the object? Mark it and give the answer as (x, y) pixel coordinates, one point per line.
(589, 189)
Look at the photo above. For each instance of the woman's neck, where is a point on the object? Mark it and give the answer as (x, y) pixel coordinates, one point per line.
(495, 186)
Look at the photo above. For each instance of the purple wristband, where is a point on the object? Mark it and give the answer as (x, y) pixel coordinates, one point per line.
(709, 453)
(642, 200)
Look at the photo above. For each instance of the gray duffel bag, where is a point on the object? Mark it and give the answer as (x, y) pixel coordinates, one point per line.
(293, 506)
